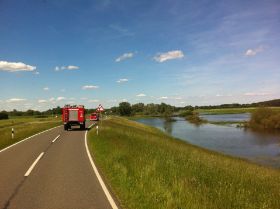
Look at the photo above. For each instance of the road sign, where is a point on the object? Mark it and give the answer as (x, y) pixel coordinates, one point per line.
(100, 108)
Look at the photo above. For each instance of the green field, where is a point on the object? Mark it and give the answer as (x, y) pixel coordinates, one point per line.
(231, 110)
(149, 169)
(24, 127)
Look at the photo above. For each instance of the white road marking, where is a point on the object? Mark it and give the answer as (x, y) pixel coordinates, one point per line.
(28, 138)
(33, 164)
(55, 138)
(106, 191)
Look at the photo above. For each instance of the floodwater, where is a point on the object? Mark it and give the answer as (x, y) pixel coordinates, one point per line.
(227, 117)
(260, 147)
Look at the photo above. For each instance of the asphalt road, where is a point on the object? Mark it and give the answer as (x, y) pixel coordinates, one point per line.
(62, 178)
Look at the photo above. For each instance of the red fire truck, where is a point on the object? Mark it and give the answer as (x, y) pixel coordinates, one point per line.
(73, 115)
(94, 116)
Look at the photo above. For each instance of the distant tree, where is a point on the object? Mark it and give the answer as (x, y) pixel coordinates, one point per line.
(167, 112)
(4, 115)
(151, 109)
(16, 113)
(125, 109)
(138, 108)
(29, 112)
(115, 110)
(57, 110)
(189, 107)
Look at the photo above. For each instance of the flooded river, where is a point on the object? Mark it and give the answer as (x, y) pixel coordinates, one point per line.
(259, 147)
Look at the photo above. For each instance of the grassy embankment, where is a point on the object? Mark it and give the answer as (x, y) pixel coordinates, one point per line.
(231, 110)
(149, 169)
(24, 127)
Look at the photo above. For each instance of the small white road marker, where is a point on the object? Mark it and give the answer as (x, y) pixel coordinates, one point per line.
(33, 164)
(55, 138)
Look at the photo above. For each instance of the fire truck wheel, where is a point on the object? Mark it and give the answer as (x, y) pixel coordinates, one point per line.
(83, 126)
(66, 127)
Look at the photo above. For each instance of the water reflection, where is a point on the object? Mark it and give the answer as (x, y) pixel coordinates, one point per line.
(167, 125)
(227, 117)
(260, 147)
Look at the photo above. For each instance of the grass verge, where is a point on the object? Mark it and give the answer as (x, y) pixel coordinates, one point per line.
(232, 110)
(23, 127)
(149, 169)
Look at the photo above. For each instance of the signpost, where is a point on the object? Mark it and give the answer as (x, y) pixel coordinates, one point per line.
(100, 109)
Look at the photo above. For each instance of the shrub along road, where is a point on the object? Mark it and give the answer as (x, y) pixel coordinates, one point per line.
(50, 170)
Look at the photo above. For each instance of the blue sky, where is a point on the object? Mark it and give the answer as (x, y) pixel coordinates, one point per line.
(174, 51)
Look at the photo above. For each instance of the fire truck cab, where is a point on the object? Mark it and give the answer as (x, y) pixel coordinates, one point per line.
(73, 115)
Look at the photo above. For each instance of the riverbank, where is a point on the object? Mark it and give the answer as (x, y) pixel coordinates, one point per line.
(149, 169)
(231, 110)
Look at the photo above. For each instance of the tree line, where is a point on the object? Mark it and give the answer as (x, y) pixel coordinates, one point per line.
(54, 111)
(126, 109)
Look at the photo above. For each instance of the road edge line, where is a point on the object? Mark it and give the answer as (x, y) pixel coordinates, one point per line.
(106, 191)
(2, 150)
(33, 165)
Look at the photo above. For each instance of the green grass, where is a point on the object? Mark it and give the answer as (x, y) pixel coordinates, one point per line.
(149, 169)
(231, 110)
(24, 127)
(135, 117)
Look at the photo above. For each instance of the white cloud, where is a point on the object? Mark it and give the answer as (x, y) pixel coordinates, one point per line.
(141, 95)
(253, 52)
(60, 98)
(15, 66)
(42, 101)
(84, 98)
(256, 94)
(176, 54)
(178, 98)
(72, 67)
(15, 100)
(124, 57)
(122, 80)
(69, 67)
(93, 100)
(36, 73)
(164, 97)
(46, 88)
(89, 87)
(52, 99)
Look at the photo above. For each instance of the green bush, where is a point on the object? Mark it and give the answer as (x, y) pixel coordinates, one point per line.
(3, 115)
(195, 119)
(265, 118)
(186, 113)
(125, 109)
